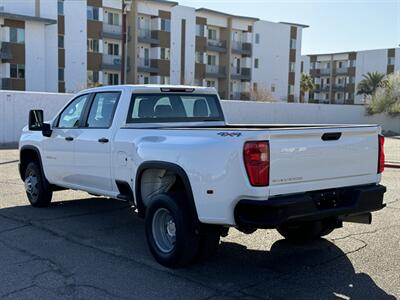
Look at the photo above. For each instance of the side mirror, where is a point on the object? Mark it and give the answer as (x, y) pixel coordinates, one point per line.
(36, 123)
(36, 120)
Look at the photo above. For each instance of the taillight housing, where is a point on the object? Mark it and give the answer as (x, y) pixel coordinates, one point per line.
(381, 155)
(256, 161)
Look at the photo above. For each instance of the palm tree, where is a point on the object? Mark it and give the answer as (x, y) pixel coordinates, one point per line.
(371, 81)
(306, 85)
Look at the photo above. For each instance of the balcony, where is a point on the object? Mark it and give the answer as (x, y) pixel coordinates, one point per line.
(12, 84)
(325, 88)
(5, 51)
(241, 74)
(111, 62)
(146, 65)
(338, 88)
(326, 71)
(241, 48)
(112, 31)
(341, 71)
(216, 45)
(214, 71)
(147, 36)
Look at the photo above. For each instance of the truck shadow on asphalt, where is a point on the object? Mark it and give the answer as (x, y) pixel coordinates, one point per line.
(317, 270)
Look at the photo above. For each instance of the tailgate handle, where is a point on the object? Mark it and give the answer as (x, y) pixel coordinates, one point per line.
(331, 136)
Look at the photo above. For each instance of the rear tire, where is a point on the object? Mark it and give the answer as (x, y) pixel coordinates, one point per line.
(170, 231)
(305, 231)
(37, 188)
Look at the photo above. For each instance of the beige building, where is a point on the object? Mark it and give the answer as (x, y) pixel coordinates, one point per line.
(336, 75)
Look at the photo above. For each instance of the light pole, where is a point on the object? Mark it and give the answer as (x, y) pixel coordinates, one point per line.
(126, 7)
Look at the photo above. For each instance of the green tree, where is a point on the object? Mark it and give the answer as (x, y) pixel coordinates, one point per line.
(370, 83)
(386, 98)
(306, 85)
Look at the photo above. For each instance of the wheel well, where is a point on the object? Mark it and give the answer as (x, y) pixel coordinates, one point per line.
(27, 156)
(156, 178)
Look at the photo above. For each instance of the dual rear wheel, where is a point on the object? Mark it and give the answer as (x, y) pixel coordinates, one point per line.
(172, 235)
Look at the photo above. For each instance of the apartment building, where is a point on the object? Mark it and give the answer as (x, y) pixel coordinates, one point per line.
(28, 50)
(107, 42)
(336, 75)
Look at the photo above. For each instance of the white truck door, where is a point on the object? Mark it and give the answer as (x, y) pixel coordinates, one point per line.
(59, 148)
(92, 162)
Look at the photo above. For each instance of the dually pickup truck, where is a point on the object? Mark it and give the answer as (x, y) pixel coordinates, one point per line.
(169, 152)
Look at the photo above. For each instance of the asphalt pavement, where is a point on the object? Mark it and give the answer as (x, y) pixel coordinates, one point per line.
(84, 247)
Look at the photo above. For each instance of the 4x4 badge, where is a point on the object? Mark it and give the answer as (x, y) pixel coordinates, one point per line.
(231, 134)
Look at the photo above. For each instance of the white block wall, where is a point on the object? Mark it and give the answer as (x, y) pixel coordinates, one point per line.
(15, 106)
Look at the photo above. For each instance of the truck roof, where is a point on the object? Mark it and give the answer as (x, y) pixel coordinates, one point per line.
(154, 88)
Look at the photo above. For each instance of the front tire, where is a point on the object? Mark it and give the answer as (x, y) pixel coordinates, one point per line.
(170, 231)
(36, 186)
(305, 231)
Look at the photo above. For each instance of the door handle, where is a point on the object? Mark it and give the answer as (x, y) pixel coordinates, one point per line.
(69, 138)
(103, 140)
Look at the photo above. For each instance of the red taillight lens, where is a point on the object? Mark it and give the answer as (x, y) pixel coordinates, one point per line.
(381, 158)
(256, 160)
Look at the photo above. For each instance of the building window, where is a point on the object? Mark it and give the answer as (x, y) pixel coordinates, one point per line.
(212, 34)
(257, 38)
(210, 83)
(256, 63)
(352, 63)
(17, 35)
(93, 45)
(291, 89)
(200, 29)
(60, 74)
(93, 13)
(199, 58)
(113, 49)
(113, 78)
(339, 96)
(17, 71)
(292, 67)
(273, 87)
(164, 80)
(60, 41)
(211, 60)
(293, 43)
(166, 25)
(313, 65)
(113, 18)
(146, 80)
(93, 76)
(390, 61)
(60, 7)
(164, 53)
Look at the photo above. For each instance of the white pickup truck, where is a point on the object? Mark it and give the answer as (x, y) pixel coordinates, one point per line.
(169, 152)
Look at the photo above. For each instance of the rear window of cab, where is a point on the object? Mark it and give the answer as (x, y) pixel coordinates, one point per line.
(158, 108)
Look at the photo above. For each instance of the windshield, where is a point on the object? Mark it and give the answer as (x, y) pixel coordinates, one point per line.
(158, 108)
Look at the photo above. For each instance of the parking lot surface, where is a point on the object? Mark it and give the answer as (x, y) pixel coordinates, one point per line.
(87, 247)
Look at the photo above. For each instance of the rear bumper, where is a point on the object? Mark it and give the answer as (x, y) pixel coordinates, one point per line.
(309, 206)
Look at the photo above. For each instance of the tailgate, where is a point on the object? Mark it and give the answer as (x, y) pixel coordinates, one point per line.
(315, 159)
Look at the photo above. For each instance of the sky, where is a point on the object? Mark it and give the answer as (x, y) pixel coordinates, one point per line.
(335, 25)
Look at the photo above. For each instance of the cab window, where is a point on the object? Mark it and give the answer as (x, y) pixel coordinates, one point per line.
(102, 110)
(71, 115)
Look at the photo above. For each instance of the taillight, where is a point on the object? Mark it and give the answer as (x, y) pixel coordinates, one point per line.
(256, 160)
(381, 157)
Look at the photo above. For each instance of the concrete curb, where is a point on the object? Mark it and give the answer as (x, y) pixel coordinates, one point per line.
(392, 165)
